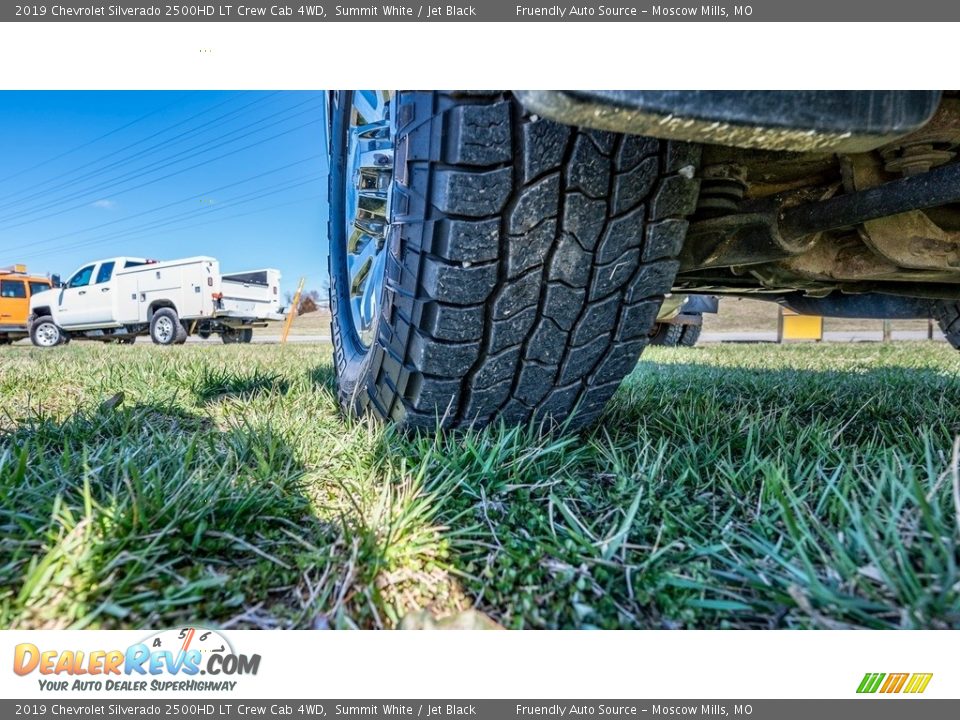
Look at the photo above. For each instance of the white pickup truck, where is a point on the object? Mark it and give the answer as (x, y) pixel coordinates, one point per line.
(117, 299)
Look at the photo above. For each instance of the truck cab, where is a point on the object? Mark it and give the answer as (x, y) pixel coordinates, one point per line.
(17, 288)
(88, 298)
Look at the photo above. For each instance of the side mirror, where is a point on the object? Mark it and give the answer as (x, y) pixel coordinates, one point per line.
(56, 281)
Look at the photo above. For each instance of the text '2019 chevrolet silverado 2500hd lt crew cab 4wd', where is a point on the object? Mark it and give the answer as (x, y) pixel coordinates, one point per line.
(503, 255)
(120, 298)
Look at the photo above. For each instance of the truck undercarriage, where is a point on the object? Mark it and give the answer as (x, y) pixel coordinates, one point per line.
(864, 221)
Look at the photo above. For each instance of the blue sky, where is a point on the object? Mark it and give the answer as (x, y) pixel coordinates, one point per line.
(240, 176)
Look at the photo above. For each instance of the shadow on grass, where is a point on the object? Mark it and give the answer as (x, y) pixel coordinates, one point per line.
(220, 384)
(144, 515)
(324, 377)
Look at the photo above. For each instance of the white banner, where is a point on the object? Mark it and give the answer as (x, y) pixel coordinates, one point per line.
(459, 664)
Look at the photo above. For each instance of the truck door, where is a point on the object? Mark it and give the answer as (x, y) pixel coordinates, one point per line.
(99, 301)
(73, 299)
(13, 302)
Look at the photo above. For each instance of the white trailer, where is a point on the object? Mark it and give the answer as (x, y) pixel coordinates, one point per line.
(119, 298)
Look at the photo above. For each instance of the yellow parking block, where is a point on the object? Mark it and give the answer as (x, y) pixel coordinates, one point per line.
(799, 327)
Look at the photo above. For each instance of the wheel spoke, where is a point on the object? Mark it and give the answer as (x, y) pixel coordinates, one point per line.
(367, 193)
(359, 262)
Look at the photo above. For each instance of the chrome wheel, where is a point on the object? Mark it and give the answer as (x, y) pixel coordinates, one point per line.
(367, 178)
(164, 330)
(47, 334)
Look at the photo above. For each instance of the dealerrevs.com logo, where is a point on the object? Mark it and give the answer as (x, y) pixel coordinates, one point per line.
(170, 660)
(891, 683)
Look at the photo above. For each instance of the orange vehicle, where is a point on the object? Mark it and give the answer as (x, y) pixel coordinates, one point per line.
(16, 288)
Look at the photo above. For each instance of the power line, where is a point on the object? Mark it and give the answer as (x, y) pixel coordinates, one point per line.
(86, 144)
(195, 196)
(166, 129)
(224, 218)
(155, 166)
(180, 217)
(313, 198)
(173, 174)
(158, 165)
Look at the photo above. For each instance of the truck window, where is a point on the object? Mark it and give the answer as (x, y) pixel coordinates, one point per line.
(81, 278)
(134, 263)
(12, 289)
(105, 272)
(38, 287)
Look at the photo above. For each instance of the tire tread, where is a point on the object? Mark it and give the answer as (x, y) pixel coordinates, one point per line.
(528, 261)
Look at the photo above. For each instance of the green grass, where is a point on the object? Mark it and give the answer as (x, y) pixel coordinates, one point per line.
(726, 486)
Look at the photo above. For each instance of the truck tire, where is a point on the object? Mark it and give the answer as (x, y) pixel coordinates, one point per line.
(672, 335)
(690, 335)
(45, 333)
(166, 328)
(666, 334)
(487, 265)
(244, 335)
(948, 317)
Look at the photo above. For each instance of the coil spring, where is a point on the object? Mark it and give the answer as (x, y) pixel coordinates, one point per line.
(722, 187)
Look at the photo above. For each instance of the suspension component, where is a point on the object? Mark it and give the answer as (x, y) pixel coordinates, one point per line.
(933, 145)
(722, 188)
(916, 158)
(771, 233)
(939, 186)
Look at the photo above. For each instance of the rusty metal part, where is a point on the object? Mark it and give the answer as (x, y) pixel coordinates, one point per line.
(773, 234)
(909, 240)
(837, 259)
(912, 240)
(933, 145)
(844, 260)
(917, 158)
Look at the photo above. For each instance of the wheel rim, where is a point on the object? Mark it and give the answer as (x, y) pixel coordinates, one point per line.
(367, 180)
(47, 335)
(163, 329)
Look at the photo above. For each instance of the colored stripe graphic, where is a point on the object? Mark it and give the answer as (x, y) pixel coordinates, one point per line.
(918, 682)
(894, 683)
(870, 682)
